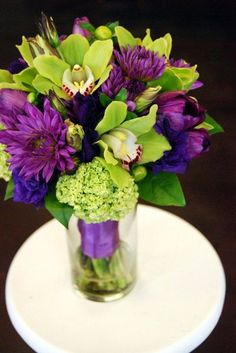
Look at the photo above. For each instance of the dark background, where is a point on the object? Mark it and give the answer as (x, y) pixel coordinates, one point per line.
(203, 33)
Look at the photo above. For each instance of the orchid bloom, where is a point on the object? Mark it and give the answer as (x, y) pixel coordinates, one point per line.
(122, 142)
(78, 79)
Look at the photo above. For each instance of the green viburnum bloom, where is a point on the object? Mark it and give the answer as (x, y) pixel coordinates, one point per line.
(5, 173)
(94, 195)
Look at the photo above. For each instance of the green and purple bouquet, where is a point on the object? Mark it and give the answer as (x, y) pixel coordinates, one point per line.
(93, 120)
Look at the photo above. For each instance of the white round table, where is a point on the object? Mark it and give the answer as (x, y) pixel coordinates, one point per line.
(174, 306)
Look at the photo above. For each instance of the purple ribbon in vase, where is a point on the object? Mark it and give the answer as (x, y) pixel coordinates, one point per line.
(99, 240)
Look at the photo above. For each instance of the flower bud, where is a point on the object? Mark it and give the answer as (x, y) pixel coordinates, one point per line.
(77, 28)
(32, 97)
(57, 103)
(48, 31)
(139, 172)
(103, 33)
(74, 135)
(146, 98)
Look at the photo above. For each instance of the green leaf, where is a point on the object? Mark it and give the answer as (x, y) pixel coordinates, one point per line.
(51, 67)
(5, 76)
(108, 155)
(104, 100)
(169, 81)
(125, 38)
(26, 76)
(131, 115)
(162, 189)
(216, 127)
(187, 75)
(44, 85)
(74, 48)
(62, 212)
(112, 25)
(25, 51)
(119, 175)
(122, 95)
(114, 115)
(140, 126)
(98, 56)
(9, 190)
(88, 26)
(154, 145)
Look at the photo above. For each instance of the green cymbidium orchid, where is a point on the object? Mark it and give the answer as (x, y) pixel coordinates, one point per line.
(78, 79)
(79, 66)
(123, 144)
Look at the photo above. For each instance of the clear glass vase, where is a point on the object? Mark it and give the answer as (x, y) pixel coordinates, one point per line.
(103, 257)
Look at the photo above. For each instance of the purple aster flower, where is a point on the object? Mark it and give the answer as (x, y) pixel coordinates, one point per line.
(178, 63)
(178, 115)
(116, 80)
(140, 64)
(17, 66)
(29, 191)
(37, 143)
(87, 111)
(11, 100)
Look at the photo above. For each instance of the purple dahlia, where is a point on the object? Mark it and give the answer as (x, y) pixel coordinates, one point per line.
(140, 63)
(37, 142)
(178, 115)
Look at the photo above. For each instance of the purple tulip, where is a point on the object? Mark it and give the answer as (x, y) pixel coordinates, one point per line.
(77, 29)
(197, 143)
(178, 116)
(183, 112)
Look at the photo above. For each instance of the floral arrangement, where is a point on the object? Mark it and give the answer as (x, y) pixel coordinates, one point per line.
(93, 120)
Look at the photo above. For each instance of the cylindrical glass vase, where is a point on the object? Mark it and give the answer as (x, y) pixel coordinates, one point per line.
(103, 257)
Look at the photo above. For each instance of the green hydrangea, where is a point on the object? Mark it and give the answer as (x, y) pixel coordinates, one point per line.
(5, 173)
(94, 195)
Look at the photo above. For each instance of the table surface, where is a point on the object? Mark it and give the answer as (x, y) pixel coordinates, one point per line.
(174, 306)
(203, 33)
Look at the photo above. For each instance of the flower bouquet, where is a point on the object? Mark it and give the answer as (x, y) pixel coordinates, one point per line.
(90, 122)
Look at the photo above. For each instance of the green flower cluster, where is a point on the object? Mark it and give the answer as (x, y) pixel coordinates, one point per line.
(5, 173)
(93, 194)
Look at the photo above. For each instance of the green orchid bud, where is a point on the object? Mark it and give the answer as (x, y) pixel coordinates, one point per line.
(139, 172)
(74, 135)
(57, 103)
(32, 97)
(39, 46)
(146, 98)
(48, 31)
(103, 33)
